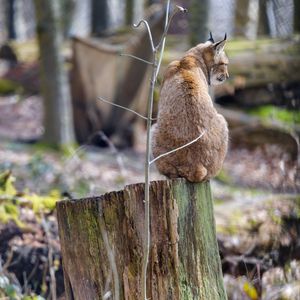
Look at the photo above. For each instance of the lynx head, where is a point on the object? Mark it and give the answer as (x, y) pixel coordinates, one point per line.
(216, 60)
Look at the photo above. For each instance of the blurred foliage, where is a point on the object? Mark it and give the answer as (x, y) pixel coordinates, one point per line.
(9, 87)
(224, 177)
(281, 114)
(27, 51)
(12, 200)
(12, 291)
(250, 290)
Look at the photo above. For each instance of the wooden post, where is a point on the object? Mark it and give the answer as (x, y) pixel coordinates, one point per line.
(101, 241)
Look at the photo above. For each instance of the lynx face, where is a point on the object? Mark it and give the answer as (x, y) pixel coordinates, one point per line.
(219, 69)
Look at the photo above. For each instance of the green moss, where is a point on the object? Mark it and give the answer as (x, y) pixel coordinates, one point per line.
(9, 87)
(272, 112)
(236, 46)
(66, 149)
(185, 289)
(110, 215)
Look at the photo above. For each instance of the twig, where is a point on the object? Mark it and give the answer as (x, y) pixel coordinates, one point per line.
(168, 22)
(179, 148)
(123, 107)
(148, 151)
(147, 182)
(120, 106)
(155, 69)
(149, 32)
(163, 39)
(137, 58)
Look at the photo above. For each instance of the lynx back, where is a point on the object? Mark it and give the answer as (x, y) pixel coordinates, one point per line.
(186, 111)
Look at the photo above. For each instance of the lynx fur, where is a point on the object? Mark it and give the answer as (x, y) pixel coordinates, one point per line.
(186, 111)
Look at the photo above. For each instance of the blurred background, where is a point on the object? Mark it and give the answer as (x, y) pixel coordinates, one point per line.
(59, 140)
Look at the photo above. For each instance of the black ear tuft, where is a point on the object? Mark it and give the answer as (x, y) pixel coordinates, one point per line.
(210, 38)
(218, 46)
(225, 37)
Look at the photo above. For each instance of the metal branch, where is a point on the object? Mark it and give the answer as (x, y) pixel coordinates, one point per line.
(179, 148)
(120, 106)
(149, 32)
(137, 58)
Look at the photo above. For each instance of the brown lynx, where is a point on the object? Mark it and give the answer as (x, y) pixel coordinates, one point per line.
(186, 111)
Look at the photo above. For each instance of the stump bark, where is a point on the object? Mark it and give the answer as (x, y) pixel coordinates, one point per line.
(102, 238)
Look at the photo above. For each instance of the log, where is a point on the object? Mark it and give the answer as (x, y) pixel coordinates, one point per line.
(260, 71)
(102, 238)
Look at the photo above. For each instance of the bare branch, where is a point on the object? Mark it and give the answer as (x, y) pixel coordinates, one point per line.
(179, 148)
(163, 38)
(149, 32)
(137, 58)
(120, 106)
(174, 13)
(128, 109)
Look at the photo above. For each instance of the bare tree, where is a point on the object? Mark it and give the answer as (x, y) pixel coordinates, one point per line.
(58, 119)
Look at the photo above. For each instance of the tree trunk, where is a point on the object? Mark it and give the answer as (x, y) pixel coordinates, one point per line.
(296, 16)
(58, 119)
(11, 19)
(241, 17)
(199, 11)
(263, 24)
(129, 12)
(102, 244)
(100, 17)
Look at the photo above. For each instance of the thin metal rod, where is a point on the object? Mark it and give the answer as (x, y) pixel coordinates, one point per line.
(137, 58)
(120, 106)
(149, 32)
(179, 148)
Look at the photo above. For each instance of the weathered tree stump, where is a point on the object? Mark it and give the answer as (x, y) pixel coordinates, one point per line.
(102, 238)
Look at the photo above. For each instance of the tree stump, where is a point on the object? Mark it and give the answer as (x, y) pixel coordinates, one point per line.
(102, 244)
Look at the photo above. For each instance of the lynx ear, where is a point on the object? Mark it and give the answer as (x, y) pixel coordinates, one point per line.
(219, 46)
(210, 39)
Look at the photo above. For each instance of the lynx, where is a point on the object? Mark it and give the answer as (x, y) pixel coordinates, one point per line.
(186, 111)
